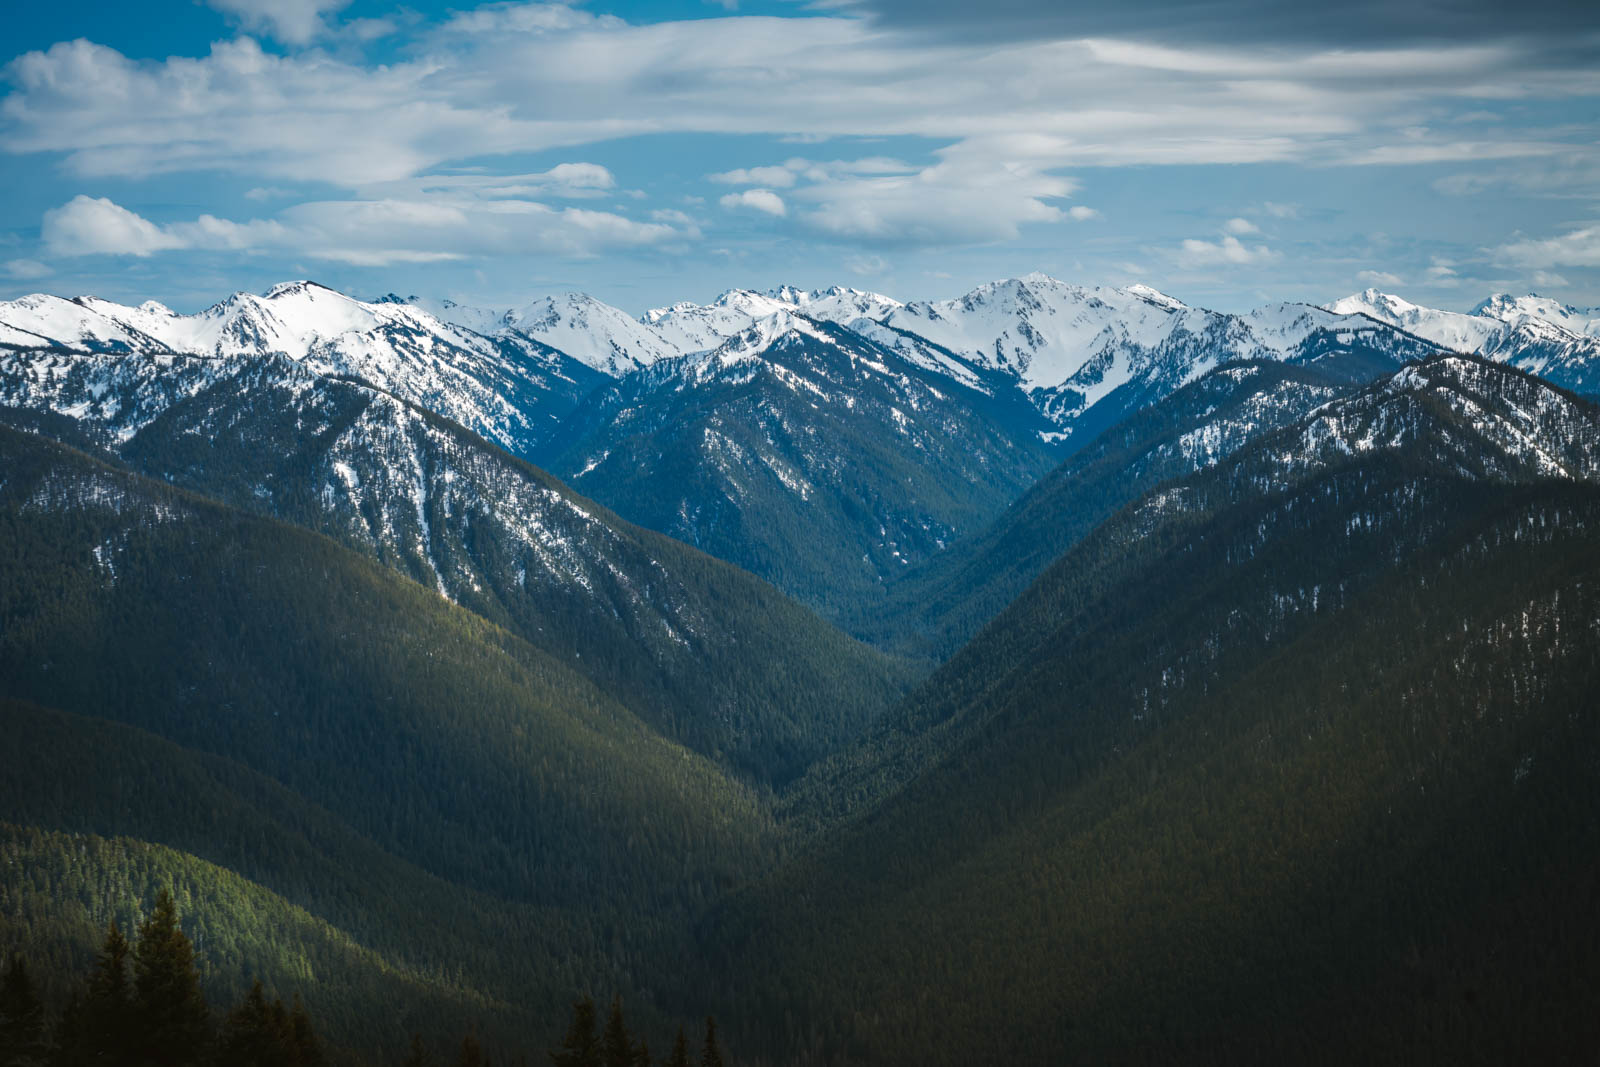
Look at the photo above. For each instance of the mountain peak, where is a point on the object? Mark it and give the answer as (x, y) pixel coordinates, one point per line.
(767, 331)
(295, 288)
(1517, 309)
(1155, 296)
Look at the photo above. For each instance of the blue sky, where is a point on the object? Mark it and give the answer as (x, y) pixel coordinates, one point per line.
(653, 152)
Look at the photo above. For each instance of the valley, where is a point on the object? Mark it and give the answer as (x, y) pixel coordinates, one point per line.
(1050, 674)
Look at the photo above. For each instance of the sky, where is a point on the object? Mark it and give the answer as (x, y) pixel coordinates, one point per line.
(652, 151)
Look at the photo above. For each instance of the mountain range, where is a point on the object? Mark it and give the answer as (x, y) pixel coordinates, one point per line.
(1034, 367)
(1054, 673)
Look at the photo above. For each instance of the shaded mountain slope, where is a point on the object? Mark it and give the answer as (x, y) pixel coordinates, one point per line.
(1452, 417)
(808, 454)
(268, 645)
(936, 608)
(689, 643)
(1289, 760)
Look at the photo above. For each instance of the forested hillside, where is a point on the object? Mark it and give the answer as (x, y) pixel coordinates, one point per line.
(934, 609)
(330, 727)
(703, 652)
(1295, 756)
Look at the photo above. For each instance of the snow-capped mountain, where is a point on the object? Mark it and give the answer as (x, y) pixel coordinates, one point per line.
(498, 536)
(806, 453)
(600, 335)
(933, 610)
(605, 338)
(505, 388)
(1582, 321)
(1451, 329)
(1074, 348)
(1531, 333)
(700, 327)
(42, 320)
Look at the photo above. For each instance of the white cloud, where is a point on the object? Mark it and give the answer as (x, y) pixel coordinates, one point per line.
(1545, 279)
(504, 80)
(290, 21)
(980, 191)
(579, 176)
(360, 232)
(241, 110)
(1226, 252)
(781, 177)
(685, 223)
(514, 78)
(1579, 248)
(1573, 175)
(867, 266)
(25, 269)
(571, 181)
(672, 217)
(763, 200)
(1379, 277)
(94, 225)
(1442, 275)
(1082, 214)
(1241, 227)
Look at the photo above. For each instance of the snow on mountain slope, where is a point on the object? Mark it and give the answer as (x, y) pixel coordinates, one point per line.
(806, 453)
(120, 392)
(700, 327)
(695, 327)
(486, 321)
(1453, 330)
(1530, 333)
(932, 611)
(1045, 331)
(840, 304)
(600, 335)
(918, 350)
(1459, 412)
(1585, 322)
(41, 319)
(603, 337)
(670, 631)
(507, 389)
(1078, 350)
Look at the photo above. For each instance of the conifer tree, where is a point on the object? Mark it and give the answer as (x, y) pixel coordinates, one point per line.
(22, 1036)
(262, 1034)
(307, 1047)
(711, 1052)
(70, 1039)
(680, 1051)
(96, 1026)
(108, 982)
(471, 1054)
(171, 1023)
(418, 1056)
(581, 1046)
(256, 1035)
(616, 1047)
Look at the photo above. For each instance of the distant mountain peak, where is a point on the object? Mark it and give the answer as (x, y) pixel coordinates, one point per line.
(1155, 296)
(303, 285)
